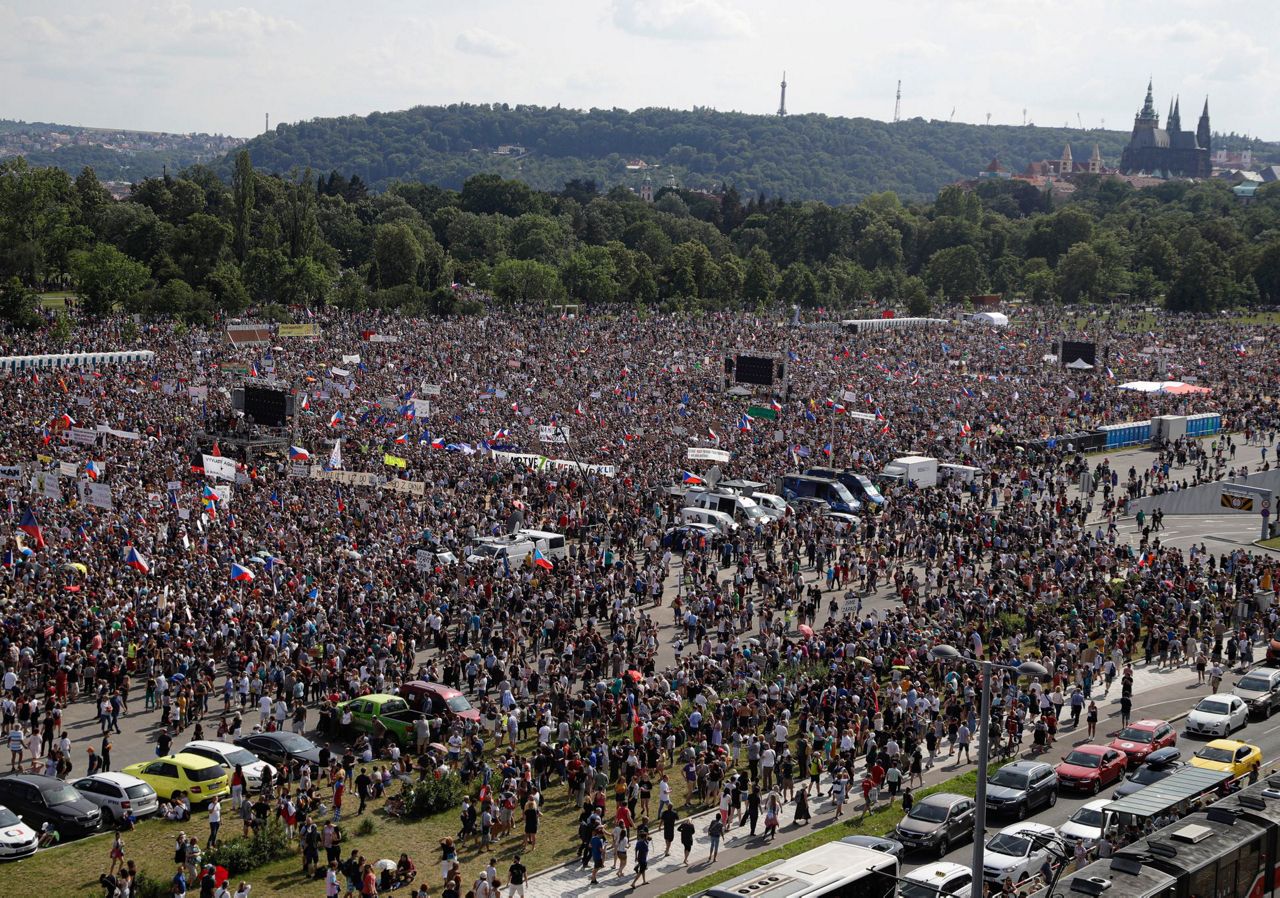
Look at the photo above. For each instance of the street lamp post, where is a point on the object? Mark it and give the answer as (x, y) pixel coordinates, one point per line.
(950, 653)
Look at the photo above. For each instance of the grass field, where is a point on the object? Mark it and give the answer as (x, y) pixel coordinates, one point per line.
(73, 869)
(1269, 543)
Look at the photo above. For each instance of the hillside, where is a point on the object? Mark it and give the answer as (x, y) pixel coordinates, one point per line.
(115, 154)
(818, 157)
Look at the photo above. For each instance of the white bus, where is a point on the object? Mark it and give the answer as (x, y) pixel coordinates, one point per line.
(869, 325)
(834, 870)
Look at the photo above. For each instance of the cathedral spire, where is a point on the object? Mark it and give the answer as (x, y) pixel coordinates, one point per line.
(1148, 112)
(1203, 134)
(1174, 122)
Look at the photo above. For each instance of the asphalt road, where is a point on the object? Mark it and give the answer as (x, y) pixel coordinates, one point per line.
(1166, 703)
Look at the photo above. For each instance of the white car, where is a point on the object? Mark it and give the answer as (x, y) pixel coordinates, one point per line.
(1085, 824)
(941, 878)
(16, 838)
(228, 755)
(1218, 715)
(1017, 852)
(774, 506)
(119, 794)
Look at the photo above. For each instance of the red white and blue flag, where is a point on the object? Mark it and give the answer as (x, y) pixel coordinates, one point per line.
(241, 574)
(297, 453)
(135, 560)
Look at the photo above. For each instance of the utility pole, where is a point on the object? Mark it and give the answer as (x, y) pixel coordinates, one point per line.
(782, 101)
(897, 103)
(267, 126)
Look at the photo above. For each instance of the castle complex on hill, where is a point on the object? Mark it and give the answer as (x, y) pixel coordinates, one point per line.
(1167, 151)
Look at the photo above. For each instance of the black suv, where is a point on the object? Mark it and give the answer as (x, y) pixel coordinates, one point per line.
(937, 822)
(1019, 787)
(44, 799)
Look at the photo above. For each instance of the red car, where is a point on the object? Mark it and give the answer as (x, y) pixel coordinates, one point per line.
(439, 700)
(1087, 768)
(1142, 737)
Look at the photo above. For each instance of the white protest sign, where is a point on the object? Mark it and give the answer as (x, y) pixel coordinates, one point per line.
(699, 453)
(219, 467)
(553, 433)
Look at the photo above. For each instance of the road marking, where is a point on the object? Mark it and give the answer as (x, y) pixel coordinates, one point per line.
(1272, 730)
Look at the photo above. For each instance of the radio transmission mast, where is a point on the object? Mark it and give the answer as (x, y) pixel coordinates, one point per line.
(897, 103)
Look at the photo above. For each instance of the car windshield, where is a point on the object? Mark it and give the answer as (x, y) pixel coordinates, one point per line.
(1209, 753)
(1133, 734)
(141, 790)
(1255, 684)
(293, 742)
(1083, 759)
(1145, 776)
(1212, 707)
(930, 813)
(240, 756)
(918, 890)
(1087, 817)
(458, 704)
(1011, 779)
(212, 772)
(1010, 844)
(59, 794)
(8, 818)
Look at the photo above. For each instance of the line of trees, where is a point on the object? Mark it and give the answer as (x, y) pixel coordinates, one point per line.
(195, 246)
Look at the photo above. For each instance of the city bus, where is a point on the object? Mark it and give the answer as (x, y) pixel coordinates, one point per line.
(834, 870)
(1227, 850)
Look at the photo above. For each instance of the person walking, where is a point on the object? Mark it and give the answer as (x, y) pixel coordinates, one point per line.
(687, 830)
(715, 829)
(642, 860)
(215, 821)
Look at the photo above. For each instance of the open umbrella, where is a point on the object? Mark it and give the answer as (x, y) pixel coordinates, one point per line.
(76, 566)
(862, 658)
(220, 875)
(635, 676)
(436, 746)
(806, 631)
(385, 864)
(902, 667)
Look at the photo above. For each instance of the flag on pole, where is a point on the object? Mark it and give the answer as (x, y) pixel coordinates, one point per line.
(337, 418)
(337, 494)
(93, 469)
(744, 423)
(541, 560)
(31, 527)
(691, 479)
(297, 453)
(335, 456)
(135, 560)
(240, 574)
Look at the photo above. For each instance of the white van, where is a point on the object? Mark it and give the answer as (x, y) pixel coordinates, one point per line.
(772, 504)
(718, 519)
(738, 507)
(512, 551)
(549, 543)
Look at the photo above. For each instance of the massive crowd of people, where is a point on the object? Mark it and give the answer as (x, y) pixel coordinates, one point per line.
(774, 680)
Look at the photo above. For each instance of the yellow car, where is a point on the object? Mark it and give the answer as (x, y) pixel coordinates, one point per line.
(1236, 758)
(199, 777)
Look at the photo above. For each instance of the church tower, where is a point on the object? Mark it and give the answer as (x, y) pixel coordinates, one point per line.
(646, 190)
(1095, 161)
(1203, 134)
(1174, 122)
(1147, 116)
(1066, 165)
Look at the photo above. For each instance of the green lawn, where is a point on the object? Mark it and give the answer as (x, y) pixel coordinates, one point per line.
(1269, 543)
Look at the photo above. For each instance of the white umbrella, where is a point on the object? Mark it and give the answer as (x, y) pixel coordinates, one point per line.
(1080, 365)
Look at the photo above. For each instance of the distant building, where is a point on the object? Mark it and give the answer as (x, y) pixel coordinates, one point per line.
(510, 149)
(994, 171)
(646, 190)
(1169, 151)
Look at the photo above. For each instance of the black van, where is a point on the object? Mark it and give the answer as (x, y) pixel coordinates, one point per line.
(859, 485)
(834, 493)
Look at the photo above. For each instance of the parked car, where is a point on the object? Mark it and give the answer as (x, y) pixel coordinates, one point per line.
(877, 843)
(281, 748)
(1017, 852)
(1237, 758)
(119, 794)
(1259, 689)
(1085, 825)
(1218, 715)
(936, 822)
(937, 880)
(199, 777)
(46, 799)
(397, 719)
(1142, 737)
(1020, 787)
(17, 840)
(1088, 768)
(1160, 765)
(438, 700)
(228, 755)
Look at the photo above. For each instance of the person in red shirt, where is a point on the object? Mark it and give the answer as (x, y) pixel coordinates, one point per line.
(623, 817)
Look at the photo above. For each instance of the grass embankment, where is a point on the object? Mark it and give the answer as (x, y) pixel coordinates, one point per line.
(875, 824)
(72, 869)
(1273, 543)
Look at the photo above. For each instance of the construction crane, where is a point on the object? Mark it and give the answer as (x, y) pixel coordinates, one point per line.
(1080, 121)
(953, 114)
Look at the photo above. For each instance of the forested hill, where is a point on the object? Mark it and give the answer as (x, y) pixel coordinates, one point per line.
(817, 157)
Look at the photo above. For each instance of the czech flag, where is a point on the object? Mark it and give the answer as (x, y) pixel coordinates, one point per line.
(402, 439)
(711, 433)
(31, 527)
(691, 478)
(437, 443)
(501, 434)
(67, 420)
(826, 448)
(253, 369)
(776, 406)
(297, 453)
(240, 574)
(93, 469)
(336, 419)
(744, 424)
(135, 560)
(578, 410)
(306, 402)
(541, 560)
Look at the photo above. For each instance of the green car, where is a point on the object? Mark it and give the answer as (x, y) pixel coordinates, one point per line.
(393, 712)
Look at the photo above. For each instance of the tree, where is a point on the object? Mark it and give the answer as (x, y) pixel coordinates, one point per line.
(798, 286)
(1079, 273)
(398, 254)
(912, 293)
(761, 279)
(956, 271)
(242, 190)
(1203, 284)
(590, 275)
(18, 305)
(526, 284)
(107, 278)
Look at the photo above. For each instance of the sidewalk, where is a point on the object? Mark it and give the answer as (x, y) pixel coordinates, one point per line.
(664, 874)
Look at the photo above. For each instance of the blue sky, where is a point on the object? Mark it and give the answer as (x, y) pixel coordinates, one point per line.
(218, 66)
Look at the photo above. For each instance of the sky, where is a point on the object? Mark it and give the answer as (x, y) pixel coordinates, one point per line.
(217, 67)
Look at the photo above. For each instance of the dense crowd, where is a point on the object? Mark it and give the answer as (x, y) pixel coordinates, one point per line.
(776, 681)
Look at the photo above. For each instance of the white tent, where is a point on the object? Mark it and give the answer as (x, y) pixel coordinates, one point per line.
(995, 319)
(1079, 365)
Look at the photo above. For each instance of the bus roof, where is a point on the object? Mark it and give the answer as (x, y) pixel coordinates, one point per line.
(819, 871)
(1184, 785)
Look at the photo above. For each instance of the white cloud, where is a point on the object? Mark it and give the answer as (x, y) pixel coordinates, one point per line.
(681, 19)
(479, 42)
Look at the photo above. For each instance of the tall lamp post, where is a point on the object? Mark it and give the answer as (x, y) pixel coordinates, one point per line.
(949, 653)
